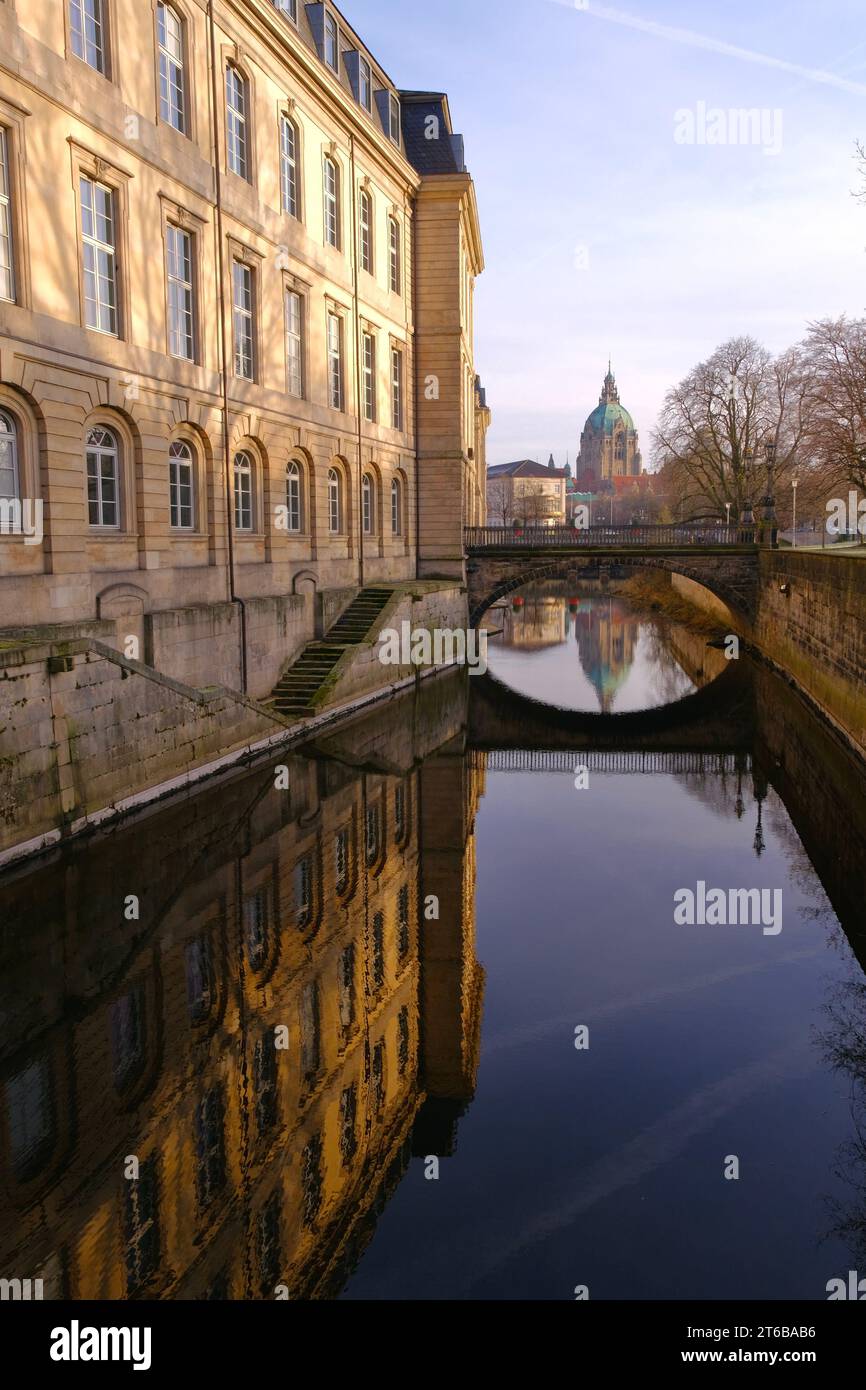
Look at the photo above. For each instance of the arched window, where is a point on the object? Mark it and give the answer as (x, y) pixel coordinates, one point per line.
(369, 504)
(244, 509)
(365, 210)
(103, 478)
(335, 502)
(181, 486)
(237, 133)
(289, 179)
(395, 271)
(10, 483)
(620, 445)
(172, 76)
(332, 203)
(294, 498)
(396, 507)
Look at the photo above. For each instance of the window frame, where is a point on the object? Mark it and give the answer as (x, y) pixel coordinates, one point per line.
(368, 504)
(179, 526)
(113, 248)
(288, 8)
(368, 376)
(106, 67)
(332, 203)
(336, 361)
(174, 228)
(397, 492)
(395, 255)
(364, 63)
(291, 292)
(242, 118)
(295, 475)
(117, 526)
(290, 181)
(366, 239)
(249, 315)
(248, 470)
(13, 433)
(331, 30)
(163, 52)
(336, 507)
(8, 229)
(398, 389)
(394, 103)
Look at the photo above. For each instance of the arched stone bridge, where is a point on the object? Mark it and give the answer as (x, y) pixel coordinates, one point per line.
(722, 559)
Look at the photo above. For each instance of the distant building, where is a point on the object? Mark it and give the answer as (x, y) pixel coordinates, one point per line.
(527, 492)
(609, 446)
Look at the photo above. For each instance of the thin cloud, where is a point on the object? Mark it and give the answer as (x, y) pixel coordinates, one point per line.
(691, 39)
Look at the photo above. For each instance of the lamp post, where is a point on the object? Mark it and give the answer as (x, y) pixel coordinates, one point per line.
(728, 512)
(794, 483)
(769, 519)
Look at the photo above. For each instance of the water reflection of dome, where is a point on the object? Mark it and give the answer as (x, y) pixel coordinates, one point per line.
(607, 635)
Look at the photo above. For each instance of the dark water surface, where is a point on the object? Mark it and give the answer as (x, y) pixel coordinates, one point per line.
(339, 1039)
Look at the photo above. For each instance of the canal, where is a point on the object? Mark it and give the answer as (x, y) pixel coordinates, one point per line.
(469, 998)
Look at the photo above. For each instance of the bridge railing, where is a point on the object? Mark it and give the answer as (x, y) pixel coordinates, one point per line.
(560, 537)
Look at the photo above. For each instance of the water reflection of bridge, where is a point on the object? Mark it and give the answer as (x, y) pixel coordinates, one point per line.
(559, 761)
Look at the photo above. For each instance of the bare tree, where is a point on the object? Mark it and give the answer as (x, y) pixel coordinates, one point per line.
(715, 424)
(500, 502)
(835, 358)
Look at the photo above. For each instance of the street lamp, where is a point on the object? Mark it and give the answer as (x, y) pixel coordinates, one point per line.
(770, 499)
(794, 484)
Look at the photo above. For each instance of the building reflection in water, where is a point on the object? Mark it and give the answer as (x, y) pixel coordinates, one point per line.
(270, 1042)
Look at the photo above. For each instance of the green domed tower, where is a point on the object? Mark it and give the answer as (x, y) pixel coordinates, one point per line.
(609, 445)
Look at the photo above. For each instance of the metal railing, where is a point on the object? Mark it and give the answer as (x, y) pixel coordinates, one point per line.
(678, 763)
(693, 533)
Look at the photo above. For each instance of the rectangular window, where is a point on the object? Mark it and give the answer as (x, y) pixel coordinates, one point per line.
(243, 300)
(394, 119)
(236, 123)
(395, 276)
(365, 84)
(87, 25)
(172, 97)
(332, 205)
(180, 487)
(332, 43)
(181, 309)
(397, 388)
(347, 987)
(289, 166)
(103, 480)
(294, 344)
(369, 377)
(289, 8)
(100, 256)
(365, 219)
(335, 361)
(7, 264)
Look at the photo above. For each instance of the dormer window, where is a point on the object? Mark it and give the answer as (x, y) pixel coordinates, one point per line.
(289, 8)
(394, 119)
(365, 85)
(332, 43)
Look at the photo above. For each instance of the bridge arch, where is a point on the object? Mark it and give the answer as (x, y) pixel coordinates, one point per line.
(731, 580)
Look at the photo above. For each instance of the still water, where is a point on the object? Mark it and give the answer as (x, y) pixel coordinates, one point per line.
(338, 1042)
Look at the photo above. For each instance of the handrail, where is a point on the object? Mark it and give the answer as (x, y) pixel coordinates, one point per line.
(569, 537)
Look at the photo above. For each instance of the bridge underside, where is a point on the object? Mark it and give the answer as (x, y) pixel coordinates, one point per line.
(728, 573)
(720, 717)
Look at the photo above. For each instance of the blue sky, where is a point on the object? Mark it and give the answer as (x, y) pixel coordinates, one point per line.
(603, 233)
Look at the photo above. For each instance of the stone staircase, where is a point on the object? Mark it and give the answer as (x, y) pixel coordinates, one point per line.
(295, 694)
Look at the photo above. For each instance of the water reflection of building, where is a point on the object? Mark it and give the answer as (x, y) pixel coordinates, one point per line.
(266, 918)
(533, 621)
(607, 632)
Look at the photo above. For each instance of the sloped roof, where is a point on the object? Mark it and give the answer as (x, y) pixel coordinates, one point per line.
(524, 468)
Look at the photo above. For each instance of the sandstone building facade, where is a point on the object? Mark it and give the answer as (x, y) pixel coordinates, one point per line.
(237, 376)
